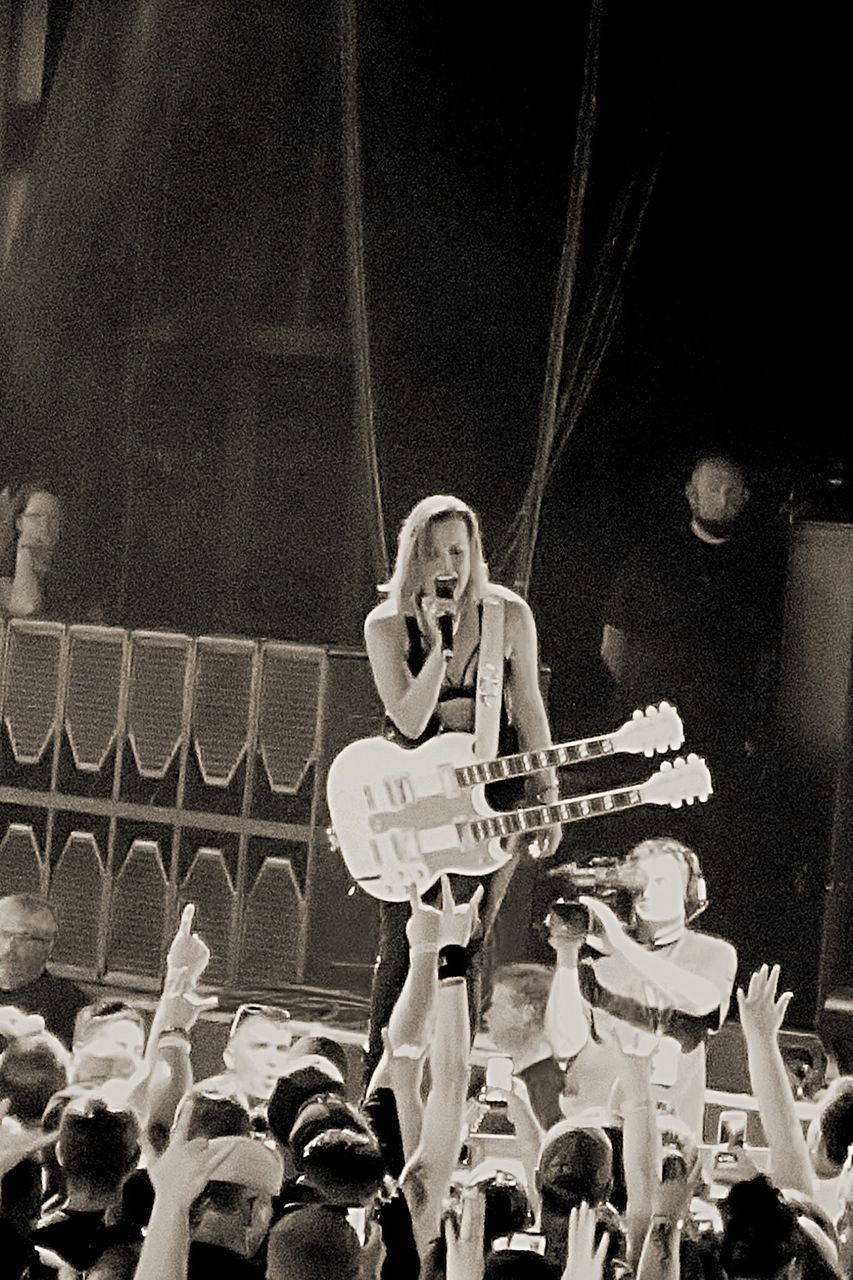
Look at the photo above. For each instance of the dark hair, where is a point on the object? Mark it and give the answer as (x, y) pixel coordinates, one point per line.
(104, 1011)
(836, 1120)
(31, 1072)
(575, 1165)
(761, 1233)
(99, 1147)
(291, 1093)
(511, 1264)
(321, 1047)
(345, 1167)
(212, 1116)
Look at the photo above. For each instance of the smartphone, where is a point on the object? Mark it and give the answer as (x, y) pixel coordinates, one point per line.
(521, 1242)
(499, 1076)
(732, 1129)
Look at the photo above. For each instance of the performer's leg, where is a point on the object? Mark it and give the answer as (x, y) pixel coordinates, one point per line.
(389, 974)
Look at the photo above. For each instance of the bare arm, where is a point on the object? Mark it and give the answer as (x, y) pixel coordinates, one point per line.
(409, 700)
(761, 1016)
(428, 1176)
(689, 992)
(407, 1034)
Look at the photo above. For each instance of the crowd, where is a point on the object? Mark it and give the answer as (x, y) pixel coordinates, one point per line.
(568, 1155)
(578, 1152)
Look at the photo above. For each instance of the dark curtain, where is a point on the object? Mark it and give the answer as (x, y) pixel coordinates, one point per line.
(176, 345)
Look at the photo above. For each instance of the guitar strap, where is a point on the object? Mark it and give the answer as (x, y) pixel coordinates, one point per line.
(490, 678)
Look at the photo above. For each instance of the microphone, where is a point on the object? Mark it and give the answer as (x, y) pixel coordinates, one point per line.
(444, 586)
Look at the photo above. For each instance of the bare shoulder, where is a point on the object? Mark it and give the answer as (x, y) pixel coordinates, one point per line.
(381, 615)
(384, 623)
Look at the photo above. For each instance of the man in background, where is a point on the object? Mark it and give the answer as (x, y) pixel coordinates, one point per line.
(28, 929)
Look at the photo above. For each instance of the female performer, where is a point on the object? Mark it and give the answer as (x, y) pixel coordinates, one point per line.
(423, 650)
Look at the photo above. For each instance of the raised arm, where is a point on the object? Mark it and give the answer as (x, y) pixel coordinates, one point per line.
(761, 1016)
(427, 1177)
(407, 1034)
(179, 1176)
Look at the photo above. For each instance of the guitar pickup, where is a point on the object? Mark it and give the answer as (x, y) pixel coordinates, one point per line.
(399, 792)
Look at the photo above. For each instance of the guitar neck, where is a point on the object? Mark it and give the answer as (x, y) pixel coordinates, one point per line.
(546, 815)
(525, 762)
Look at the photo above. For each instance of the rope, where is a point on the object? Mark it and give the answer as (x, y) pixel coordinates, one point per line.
(354, 230)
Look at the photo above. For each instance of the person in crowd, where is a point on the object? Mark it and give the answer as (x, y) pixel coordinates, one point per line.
(98, 1150)
(30, 525)
(257, 1050)
(212, 1206)
(812, 1164)
(33, 1068)
(693, 616)
(666, 985)
(423, 651)
(515, 1023)
(28, 929)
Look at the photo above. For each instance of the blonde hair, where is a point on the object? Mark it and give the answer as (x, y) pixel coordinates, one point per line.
(406, 580)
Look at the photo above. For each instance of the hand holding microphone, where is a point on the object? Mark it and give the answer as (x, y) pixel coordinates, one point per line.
(445, 608)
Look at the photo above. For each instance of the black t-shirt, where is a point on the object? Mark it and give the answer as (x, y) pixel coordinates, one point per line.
(58, 1000)
(208, 1260)
(695, 617)
(80, 1237)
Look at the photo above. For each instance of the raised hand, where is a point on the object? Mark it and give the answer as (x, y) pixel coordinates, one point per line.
(424, 924)
(612, 931)
(16, 1143)
(456, 924)
(14, 1023)
(584, 1261)
(463, 1235)
(184, 1169)
(188, 957)
(761, 1013)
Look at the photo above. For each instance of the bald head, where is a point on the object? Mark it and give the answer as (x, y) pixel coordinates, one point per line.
(717, 493)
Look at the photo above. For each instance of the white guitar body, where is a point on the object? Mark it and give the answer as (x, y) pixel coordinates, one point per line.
(372, 781)
(403, 817)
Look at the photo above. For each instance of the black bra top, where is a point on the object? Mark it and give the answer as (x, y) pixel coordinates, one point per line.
(418, 655)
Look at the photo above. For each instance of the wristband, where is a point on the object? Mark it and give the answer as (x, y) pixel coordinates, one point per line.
(452, 962)
(423, 948)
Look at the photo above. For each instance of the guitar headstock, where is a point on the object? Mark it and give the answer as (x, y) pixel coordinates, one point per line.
(656, 729)
(678, 782)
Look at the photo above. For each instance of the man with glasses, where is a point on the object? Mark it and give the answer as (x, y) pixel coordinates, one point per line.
(28, 928)
(259, 1041)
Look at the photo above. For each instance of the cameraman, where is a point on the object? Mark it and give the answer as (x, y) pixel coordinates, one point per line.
(666, 986)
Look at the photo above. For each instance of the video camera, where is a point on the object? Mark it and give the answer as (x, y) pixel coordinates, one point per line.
(611, 880)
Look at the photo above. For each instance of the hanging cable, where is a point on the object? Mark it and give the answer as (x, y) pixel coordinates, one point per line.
(354, 230)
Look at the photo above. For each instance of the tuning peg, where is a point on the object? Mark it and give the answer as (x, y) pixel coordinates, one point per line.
(665, 765)
(637, 715)
(651, 712)
(334, 843)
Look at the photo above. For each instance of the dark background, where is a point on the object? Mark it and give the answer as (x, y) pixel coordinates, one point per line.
(175, 341)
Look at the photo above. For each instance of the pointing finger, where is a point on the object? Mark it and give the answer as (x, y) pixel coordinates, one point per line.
(187, 915)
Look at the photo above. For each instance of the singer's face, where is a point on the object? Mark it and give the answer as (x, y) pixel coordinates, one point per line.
(447, 550)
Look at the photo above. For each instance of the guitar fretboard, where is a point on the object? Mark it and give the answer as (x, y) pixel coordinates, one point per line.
(533, 761)
(545, 815)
